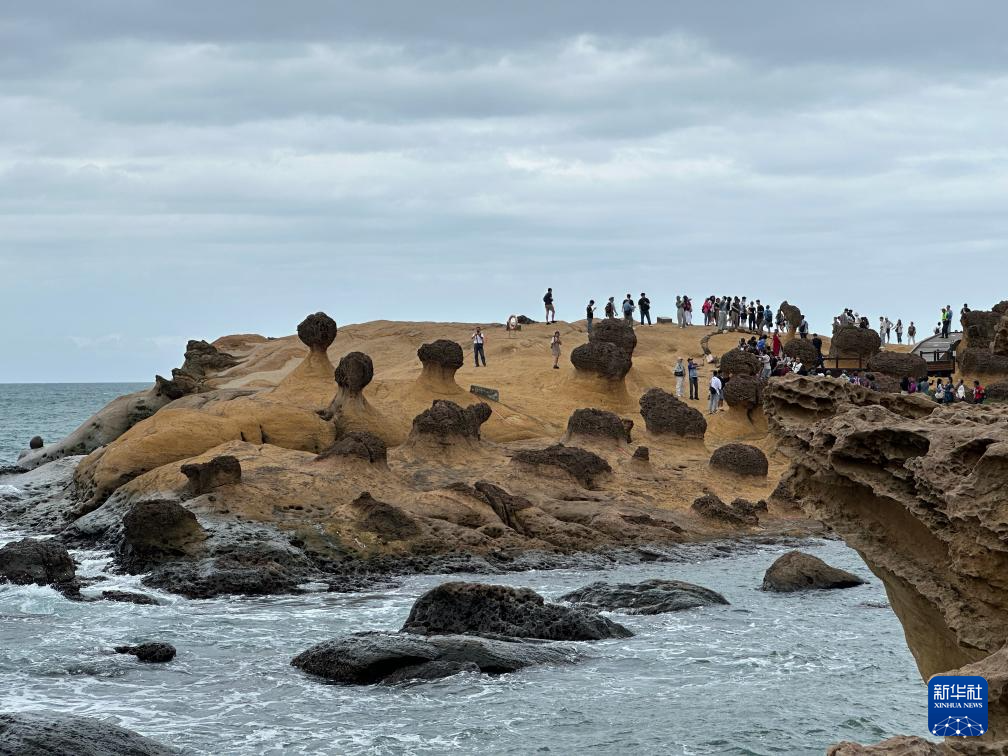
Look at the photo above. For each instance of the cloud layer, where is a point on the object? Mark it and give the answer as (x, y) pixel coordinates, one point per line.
(172, 171)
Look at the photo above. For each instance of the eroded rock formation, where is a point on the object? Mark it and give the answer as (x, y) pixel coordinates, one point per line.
(598, 424)
(603, 359)
(664, 413)
(741, 459)
(441, 359)
(584, 466)
(446, 420)
(317, 331)
(737, 362)
(796, 571)
(898, 364)
(854, 342)
(649, 597)
(224, 470)
(803, 351)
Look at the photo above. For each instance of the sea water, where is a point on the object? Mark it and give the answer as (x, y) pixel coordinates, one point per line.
(767, 674)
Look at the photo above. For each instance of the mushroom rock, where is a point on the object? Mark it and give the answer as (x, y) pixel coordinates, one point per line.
(852, 341)
(224, 470)
(616, 332)
(737, 362)
(792, 315)
(922, 501)
(317, 331)
(642, 454)
(796, 571)
(596, 423)
(586, 467)
(36, 442)
(742, 391)
(664, 413)
(603, 359)
(445, 420)
(803, 351)
(440, 360)
(898, 364)
(358, 444)
(741, 459)
(354, 371)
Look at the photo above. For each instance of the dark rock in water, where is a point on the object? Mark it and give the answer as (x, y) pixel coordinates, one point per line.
(442, 354)
(207, 578)
(615, 332)
(664, 413)
(36, 442)
(502, 611)
(711, 507)
(796, 571)
(582, 465)
(362, 444)
(432, 670)
(599, 423)
(649, 597)
(445, 419)
(153, 653)
(317, 331)
(741, 459)
(50, 734)
(368, 658)
(128, 597)
(354, 371)
(602, 358)
(155, 532)
(206, 476)
(42, 562)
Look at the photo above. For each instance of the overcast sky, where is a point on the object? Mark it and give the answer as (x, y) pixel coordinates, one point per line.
(173, 170)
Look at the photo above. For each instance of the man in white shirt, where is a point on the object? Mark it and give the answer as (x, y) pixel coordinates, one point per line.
(715, 393)
(477, 339)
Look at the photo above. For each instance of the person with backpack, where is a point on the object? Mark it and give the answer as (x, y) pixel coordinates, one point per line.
(610, 308)
(628, 309)
(645, 308)
(590, 316)
(548, 301)
(478, 353)
(680, 377)
(715, 393)
(694, 378)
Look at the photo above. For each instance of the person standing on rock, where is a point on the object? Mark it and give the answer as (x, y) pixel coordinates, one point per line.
(680, 377)
(687, 305)
(715, 393)
(628, 309)
(775, 345)
(548, 301)
(899, 330)
(645, 308)
(911, 333)
(803, 328)
(680, 313)
(817, 343)
(555, 349)
(477, 340)
(590, 315)
(610, 308)
(694, 379)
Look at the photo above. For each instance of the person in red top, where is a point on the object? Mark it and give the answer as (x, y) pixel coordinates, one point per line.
(776, 345)
(978, 393)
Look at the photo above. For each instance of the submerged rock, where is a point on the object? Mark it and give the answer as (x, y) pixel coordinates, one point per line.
(50, 734)
(649, 597)
(129, 597)
(153, 652)
(498, 610)
(369, 658)
(796, 571)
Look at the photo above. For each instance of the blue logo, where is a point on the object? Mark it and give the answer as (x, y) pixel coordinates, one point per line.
(957, 706)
